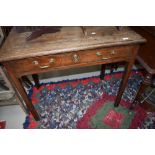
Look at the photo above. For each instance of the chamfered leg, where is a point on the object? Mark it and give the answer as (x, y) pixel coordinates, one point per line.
(124, 81)
(17, 84)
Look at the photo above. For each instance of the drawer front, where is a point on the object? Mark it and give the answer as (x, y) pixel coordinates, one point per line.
(87, 57)
(36, 64)
(97, 55)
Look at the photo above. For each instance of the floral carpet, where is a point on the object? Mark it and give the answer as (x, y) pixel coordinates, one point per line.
(86, 103)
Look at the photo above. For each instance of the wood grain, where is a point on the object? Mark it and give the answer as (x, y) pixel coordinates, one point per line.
(69, 48)
(126, 75)
(66, 60)
(69, 39)
(17, 84)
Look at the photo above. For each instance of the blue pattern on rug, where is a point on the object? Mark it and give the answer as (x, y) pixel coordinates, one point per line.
(63, 107)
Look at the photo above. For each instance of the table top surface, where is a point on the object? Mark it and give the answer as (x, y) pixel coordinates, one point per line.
(146, 54)
(68, 39)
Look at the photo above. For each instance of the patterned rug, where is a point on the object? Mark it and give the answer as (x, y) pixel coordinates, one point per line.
(103, 115)
(86, 103)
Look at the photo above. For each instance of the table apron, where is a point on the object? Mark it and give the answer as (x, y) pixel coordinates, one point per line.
(20, 73)
(69, 60)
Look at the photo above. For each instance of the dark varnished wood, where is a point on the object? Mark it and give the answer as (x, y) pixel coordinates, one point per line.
(146, 57)
(26, 81)
(143, 86)
(36, 80)
(66, 49)
(102, 75)
(17, 84)
(61, 61)
(125, 77)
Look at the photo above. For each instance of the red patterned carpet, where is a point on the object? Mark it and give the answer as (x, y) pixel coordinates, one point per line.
(86, 103)
(103, 114)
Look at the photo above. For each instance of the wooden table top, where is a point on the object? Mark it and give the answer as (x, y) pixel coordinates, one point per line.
(146, 54)
(67, 40)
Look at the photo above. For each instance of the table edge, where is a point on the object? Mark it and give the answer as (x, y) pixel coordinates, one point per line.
(44, 53)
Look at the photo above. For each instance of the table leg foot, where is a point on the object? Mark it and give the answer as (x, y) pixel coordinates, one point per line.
(124, 81)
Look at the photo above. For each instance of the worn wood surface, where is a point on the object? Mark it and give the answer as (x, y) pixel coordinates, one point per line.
(69, 48)
(67, 40)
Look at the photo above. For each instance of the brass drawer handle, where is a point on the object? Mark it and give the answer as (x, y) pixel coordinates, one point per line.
(51, 61)
(111, 52)
(105, 58)
(43, 67)
(76, 58)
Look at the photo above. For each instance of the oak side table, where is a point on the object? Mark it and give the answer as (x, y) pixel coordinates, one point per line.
(68, 48)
